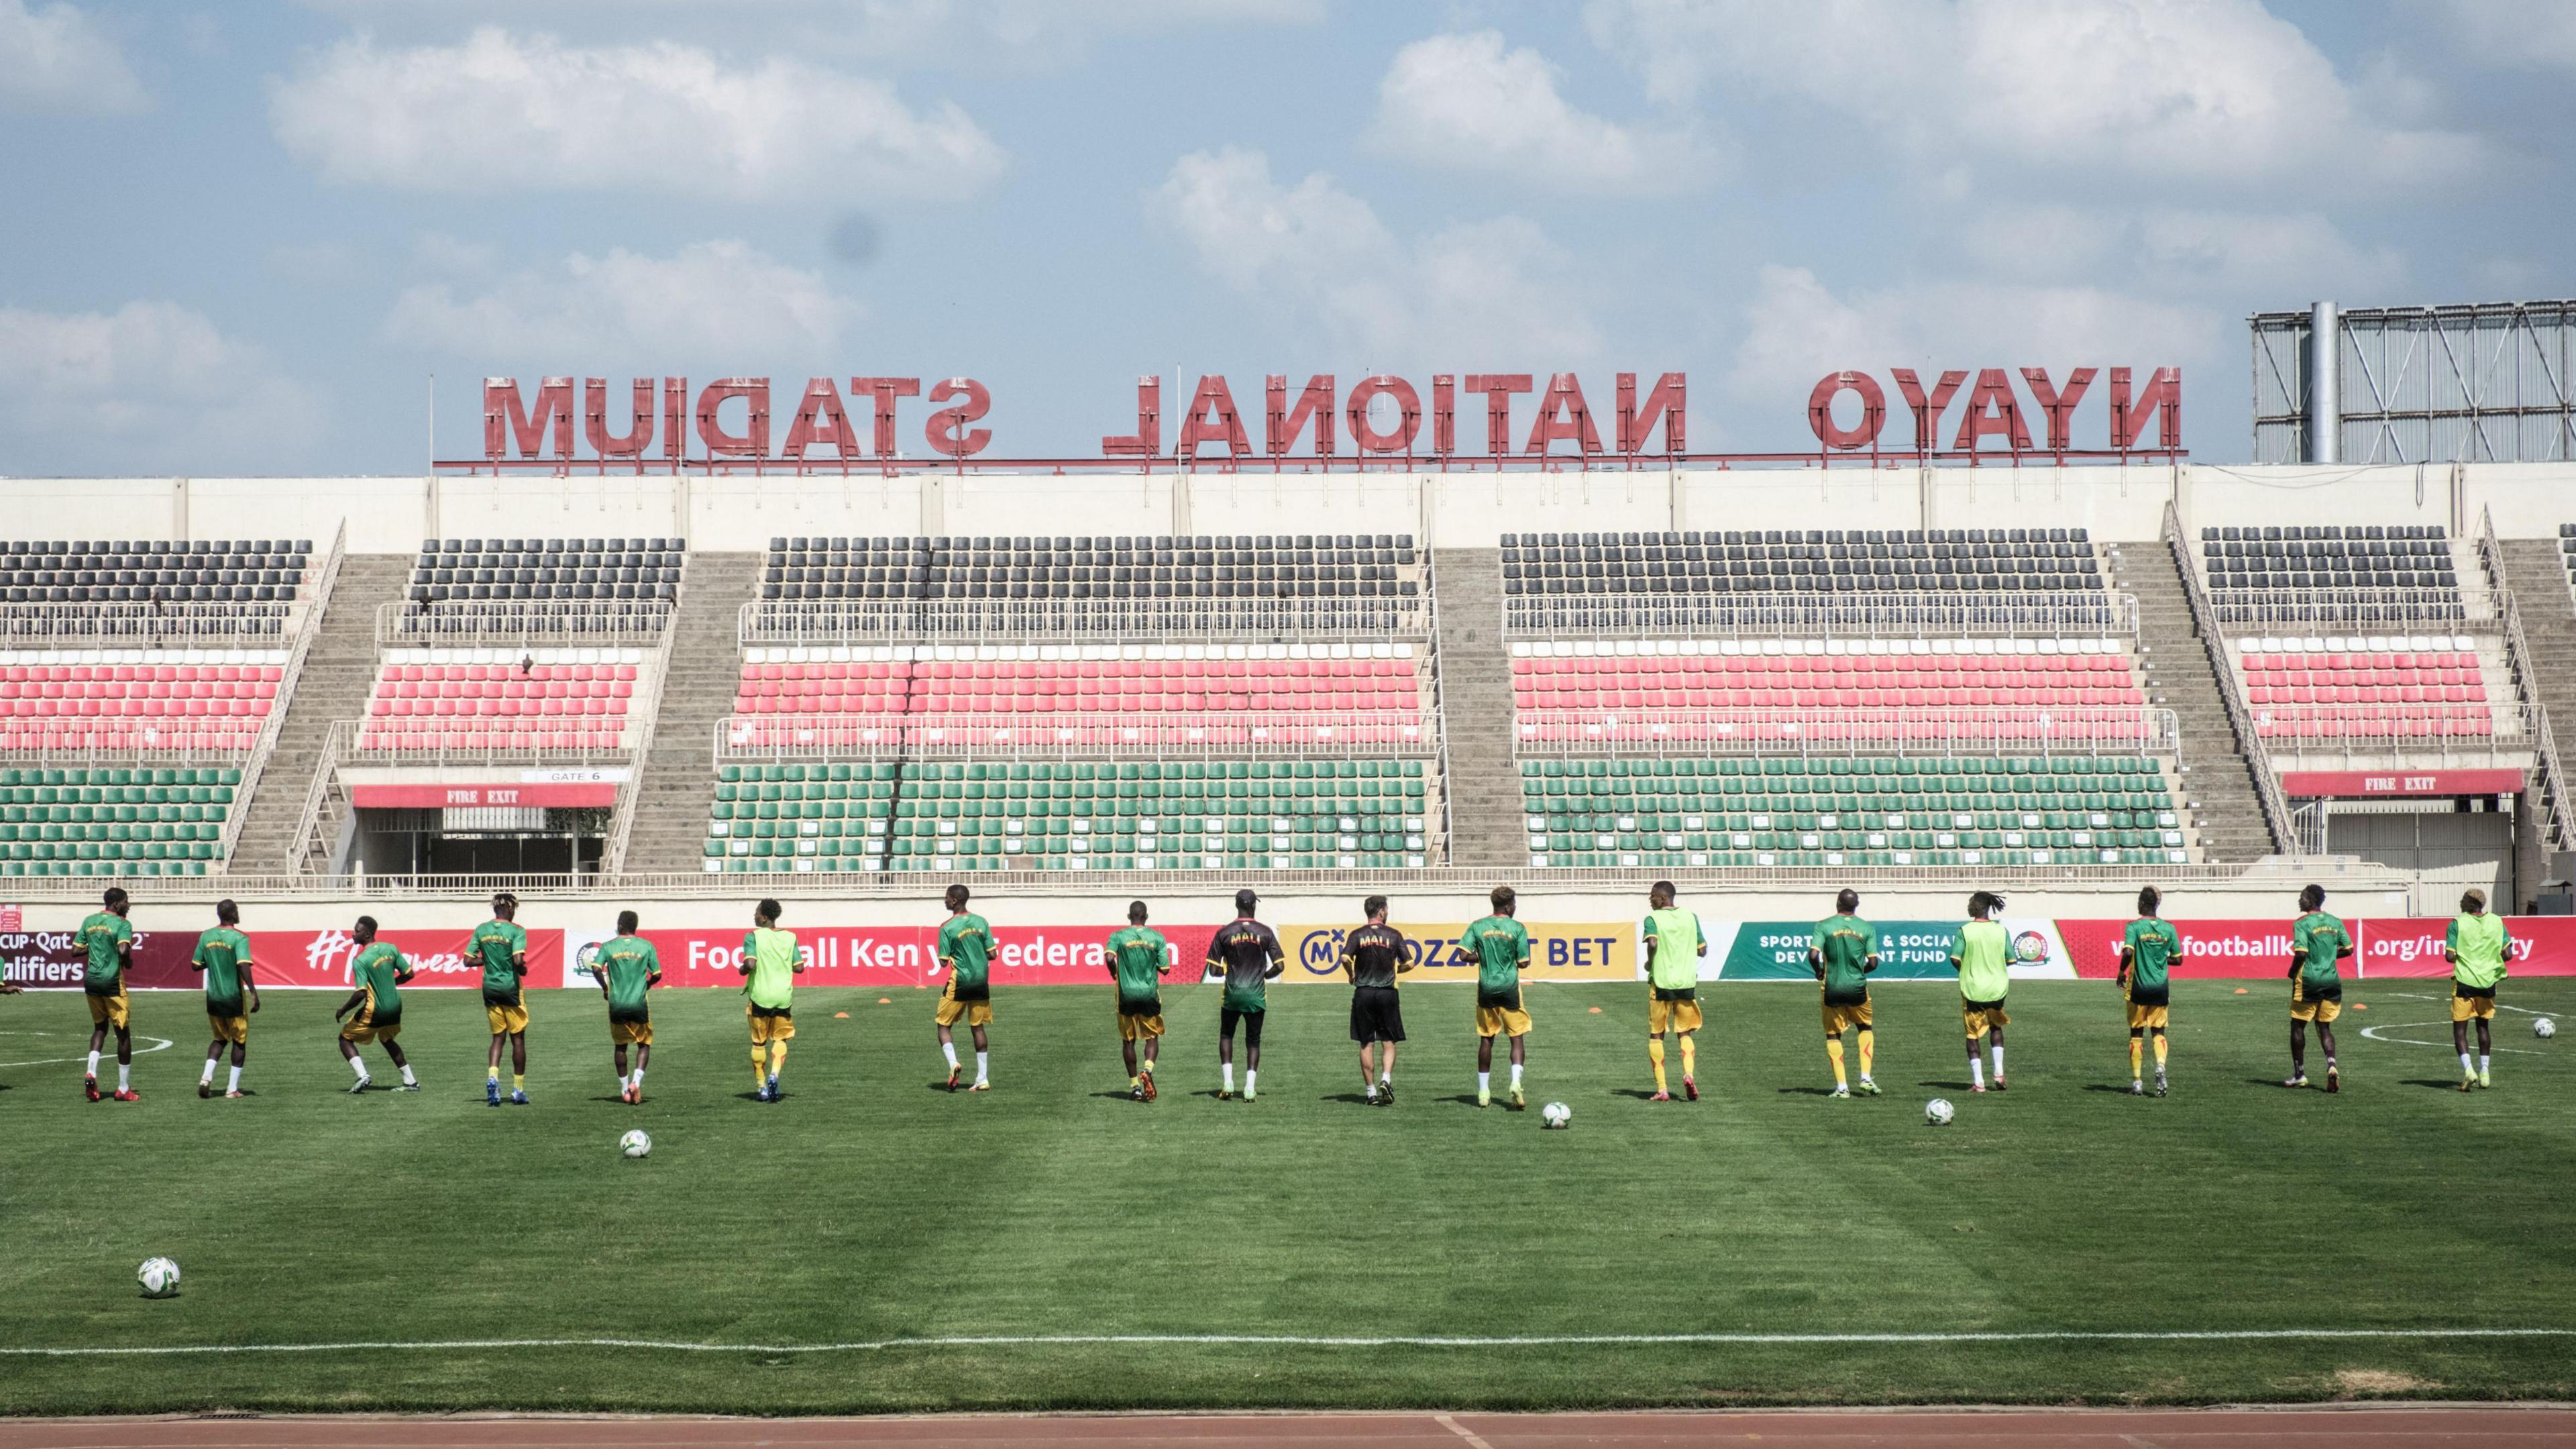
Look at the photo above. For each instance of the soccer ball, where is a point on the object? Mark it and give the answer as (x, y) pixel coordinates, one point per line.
(1938, 1111)
(2544, 1028)
(635, 1143)
(1556, 1114)
(159, 1277)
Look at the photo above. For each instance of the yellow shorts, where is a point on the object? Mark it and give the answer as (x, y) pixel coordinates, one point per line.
(362, 1029)
(1663, 1016)
(506, 1020)
(630, 1033)
(769, 1026)
(975, 1013)
(110, 1010)
(2466, 1008)
(1838, 1017)
(1514, 1020)
(2302, 1009)
(1130, 1028)
(1979, 1019)
(234, 1029)
(2142, 1017)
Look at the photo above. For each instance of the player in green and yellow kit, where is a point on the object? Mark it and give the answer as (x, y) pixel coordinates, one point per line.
(2479, 950)
(107, 939)
(628, 967)
(1982, 955)
(770, 963)
(2317, 942)
(501, 949)
(1674, 945)
(378, 971)
(224, 955)
(966, 951)
(1843, 953)
(1138, 958)
(2148, 949)
(1501, 946)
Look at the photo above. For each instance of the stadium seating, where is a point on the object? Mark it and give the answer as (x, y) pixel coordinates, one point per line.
(1777, 674)
(1850, 811)
(2327, 557)
(2420, 686)
(1073, 679)
(546, 570)
(473, 699)
(244, 572)
(137, 699)
(1789, 561)
(123, 820)
(1304, 566)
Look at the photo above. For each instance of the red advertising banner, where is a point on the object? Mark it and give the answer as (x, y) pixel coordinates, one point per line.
(892, 956)
(2383, 946)
(278, 958)
(2364, 784)
(451, 796)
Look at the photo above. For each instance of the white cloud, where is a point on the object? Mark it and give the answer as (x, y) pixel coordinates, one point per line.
(2212, 90)
(56, 59)
(1047, 32)
(1797, 330)
(2516, 32)
(503, 112)
(712, 299)
(1465, 102)
(1481, 294)
(2175, 250)
(153, 384)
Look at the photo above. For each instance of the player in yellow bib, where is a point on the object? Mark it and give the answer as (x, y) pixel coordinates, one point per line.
(2479, 950)
(770, 963)
(1674, 944)
(1982, 955)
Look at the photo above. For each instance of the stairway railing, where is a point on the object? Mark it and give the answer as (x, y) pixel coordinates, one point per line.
(2275, 805)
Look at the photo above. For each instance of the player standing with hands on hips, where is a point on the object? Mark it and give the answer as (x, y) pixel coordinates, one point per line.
(2478, 948)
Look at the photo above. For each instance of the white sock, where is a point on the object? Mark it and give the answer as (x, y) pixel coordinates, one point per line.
(2464, 1062)
(93, 1065)
(234, 1083)
(1248, 1074)
(1999, 1061)
(1484, 1083)
(125, 1076)
(1516, 1076)
(1976, 1069)
(2482, 1061)
(1228, 1069)
(359, 1065)
(1372, 1091)
(408, 1079)
(207, 1077)
(1386, 1076)
(624, 1084)
(983, 1066)
(949, 1050)
(639, 1079)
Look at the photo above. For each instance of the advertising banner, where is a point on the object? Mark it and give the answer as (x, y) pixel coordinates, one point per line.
(479, 796)
(284, 959)
(1908, 950)
(1596, 951)
(2365, 784)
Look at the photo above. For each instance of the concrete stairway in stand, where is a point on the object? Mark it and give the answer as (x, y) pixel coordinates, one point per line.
(338, 675)
(2217, 784)
(677, 785)
(1487, 826)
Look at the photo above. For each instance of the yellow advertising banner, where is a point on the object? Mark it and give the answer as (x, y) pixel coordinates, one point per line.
(1559, 951)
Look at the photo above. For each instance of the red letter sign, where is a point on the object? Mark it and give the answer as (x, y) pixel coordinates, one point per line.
(1927, 412)
(1212, 419)
(1315, 401)
(754, 440)
(1408, 406)
(946, 430)
(1498, 388)
(820, 421)
(1562, 415)
(2163, 402)
(885, 390)
(1147, 440)
(1992, 408)
(1664, 401)
(594, 419)
(2059, 406)
(501, 406)
(1873, 410)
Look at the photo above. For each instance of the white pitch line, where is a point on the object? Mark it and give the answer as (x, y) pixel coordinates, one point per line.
(2373, 1032)
(1284, 1340)
(160, 1043)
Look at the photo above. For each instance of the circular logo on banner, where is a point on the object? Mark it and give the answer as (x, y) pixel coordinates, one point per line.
(1320, 952)
(2030, 948)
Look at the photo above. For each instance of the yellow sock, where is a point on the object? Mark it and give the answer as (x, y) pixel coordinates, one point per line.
(1149, 1066)
(1834, 1050)
(2136, 1048)
(1868, 1049)
(759, 1064)
(1690, 1057)
(777, 1057)
(2160, 1049)
(1655, 1054)
(518, 1081)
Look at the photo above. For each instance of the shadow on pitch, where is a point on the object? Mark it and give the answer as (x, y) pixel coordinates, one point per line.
(1784, 1091)
(1948, 1086)
(2451, 1086)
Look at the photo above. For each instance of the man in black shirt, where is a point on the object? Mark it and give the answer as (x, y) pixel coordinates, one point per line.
(1372, 956)
(1249, 955)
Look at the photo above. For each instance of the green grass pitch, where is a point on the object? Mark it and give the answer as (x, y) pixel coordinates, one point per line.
(868, 1206)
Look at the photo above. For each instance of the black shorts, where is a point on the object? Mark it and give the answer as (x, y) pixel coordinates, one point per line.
(1226, 1018)
(2465, 992)
(1377, 1014)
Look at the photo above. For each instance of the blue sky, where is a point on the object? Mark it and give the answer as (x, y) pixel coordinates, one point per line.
(240, 238)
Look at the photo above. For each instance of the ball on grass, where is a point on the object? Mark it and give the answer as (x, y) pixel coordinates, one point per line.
(1938, 1112)
(2544, 1028)
(1556, 1114)
(636, 1142)
(159, 1277)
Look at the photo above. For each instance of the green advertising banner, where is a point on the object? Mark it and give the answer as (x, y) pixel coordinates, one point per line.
(1907, 950)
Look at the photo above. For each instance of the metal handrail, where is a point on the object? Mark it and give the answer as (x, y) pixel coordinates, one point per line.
(326, 579)
(132, 626)
(1067, 734)
(1439, 711)
(2462, 610)
(880, 621)
(2042, 729)
(2069, 612)
(643, 718)
(454, 750)
(401, 623)
(2266, 781)
(2558, 826)
(2474, 725)
(326, 778)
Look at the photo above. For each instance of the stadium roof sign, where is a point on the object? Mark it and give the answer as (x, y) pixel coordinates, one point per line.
(1994, 411)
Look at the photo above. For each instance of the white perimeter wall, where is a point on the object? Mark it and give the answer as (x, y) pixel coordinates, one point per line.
(740, 512)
